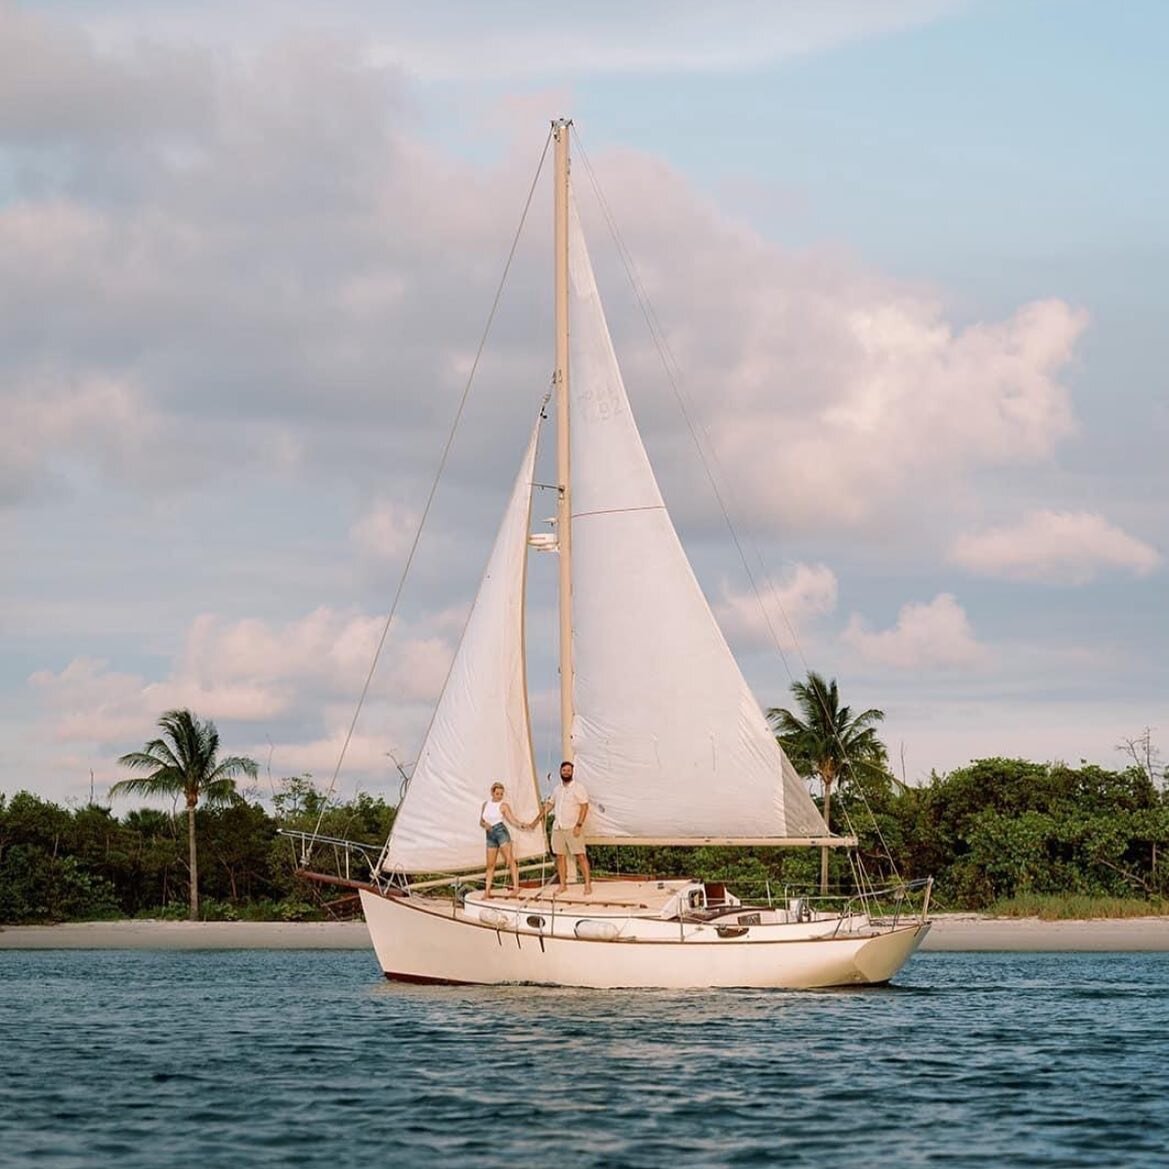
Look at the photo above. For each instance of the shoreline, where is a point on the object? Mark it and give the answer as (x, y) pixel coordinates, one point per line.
(137, 934)
(951, 932)
(979, 933)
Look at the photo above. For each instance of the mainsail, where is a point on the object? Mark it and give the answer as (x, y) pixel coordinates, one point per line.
(481, 731)
(668, 738)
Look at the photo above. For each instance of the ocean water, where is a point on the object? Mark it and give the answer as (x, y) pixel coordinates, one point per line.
(134, 1059)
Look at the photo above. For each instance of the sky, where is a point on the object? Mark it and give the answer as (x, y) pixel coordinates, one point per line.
(907, 255)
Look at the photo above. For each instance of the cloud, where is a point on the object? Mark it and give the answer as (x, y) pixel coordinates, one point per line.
(298, 280)
(384, 532)
(54, 86)
(82, 416)
(662, 36)
(326, 652)
(1056, 547)
(251, 676)
(827, 394)
(88, 702)
(780, 609)
(926, 636)
(939, 733)
(369, 756)
(107, 713)
(245, 265)
(465, 40)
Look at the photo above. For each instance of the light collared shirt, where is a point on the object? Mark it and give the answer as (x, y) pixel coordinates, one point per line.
(567, 801)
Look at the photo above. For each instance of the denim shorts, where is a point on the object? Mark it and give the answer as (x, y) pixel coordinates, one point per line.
(498, 835)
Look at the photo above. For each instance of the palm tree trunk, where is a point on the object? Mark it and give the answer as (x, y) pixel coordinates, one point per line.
(194, 863)
(824, 849)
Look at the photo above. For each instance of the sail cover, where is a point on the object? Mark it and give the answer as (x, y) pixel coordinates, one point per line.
(480, 732)
(668, 739)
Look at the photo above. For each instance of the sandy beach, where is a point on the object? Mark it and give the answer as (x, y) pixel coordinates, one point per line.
(954, 932)
(974, 932)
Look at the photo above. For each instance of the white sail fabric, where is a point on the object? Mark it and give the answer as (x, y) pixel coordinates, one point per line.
(481, 731)
(667, 737)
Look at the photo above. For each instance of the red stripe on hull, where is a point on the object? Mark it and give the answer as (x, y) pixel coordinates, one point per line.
(422, 979)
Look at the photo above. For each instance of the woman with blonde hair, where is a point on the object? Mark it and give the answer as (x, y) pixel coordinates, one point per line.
(494, 818)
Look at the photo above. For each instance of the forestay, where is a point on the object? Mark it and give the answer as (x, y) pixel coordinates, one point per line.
(668, 738)
(481, 731)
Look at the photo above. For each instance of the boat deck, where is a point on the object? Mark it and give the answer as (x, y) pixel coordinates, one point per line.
(608, 893)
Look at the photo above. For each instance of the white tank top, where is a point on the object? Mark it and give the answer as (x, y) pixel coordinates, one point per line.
(493, 812)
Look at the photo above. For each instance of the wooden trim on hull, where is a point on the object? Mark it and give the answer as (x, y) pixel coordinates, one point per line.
(423, 980)
(744, 841)
(340, 882)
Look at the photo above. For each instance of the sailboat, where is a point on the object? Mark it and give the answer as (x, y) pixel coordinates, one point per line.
(664, 733)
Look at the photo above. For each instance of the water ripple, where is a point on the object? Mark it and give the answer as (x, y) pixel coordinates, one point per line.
(140, 1059)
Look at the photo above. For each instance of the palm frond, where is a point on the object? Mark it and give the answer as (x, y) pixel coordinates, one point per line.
(183, 763)
(235, 765)
(825, 737)
(163, 782)
(162, 749)
(218, 792)
(141, 761)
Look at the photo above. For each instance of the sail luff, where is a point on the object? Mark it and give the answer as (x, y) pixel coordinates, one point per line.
(560, 133)
(535, 447)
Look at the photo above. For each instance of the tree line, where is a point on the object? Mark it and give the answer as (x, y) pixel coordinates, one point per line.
(68, 864)
(994, 830)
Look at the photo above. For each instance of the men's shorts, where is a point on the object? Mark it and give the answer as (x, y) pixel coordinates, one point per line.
(565, 841)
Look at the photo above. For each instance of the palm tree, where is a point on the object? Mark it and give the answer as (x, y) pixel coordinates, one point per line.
(183, 763)
(827, 740)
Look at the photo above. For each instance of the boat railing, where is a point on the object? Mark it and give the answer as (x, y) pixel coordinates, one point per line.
(886, 905)
(894, 903)
(346, 853)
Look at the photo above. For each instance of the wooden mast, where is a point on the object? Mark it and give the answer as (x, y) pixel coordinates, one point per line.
(560, 131)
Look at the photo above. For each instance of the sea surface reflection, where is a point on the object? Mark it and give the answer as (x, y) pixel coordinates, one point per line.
(210, 1059)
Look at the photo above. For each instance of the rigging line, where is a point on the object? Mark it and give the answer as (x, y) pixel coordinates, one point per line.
(863, 882)
(446, 450)
(872, 817)
(579, 515)
(672, 369)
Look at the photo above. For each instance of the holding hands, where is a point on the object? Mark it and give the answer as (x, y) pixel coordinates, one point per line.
(545, 806)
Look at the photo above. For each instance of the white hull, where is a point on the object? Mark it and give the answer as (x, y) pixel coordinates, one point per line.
(419, 939)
